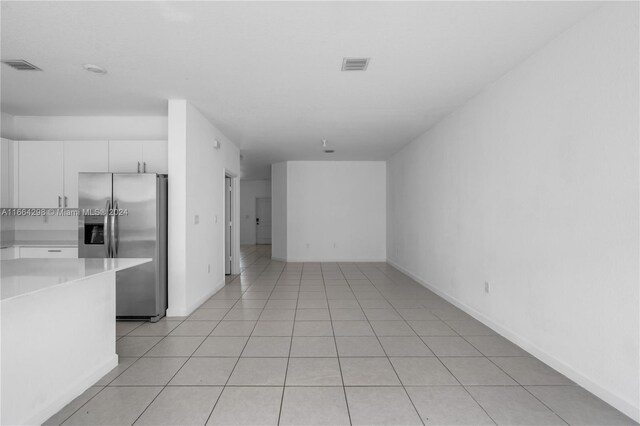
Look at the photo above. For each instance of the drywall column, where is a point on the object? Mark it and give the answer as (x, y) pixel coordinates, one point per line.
(177, 235)
(197, 167)
(279, 211)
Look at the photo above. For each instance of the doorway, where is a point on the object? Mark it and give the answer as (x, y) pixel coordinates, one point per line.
(228, 223)
(263, 220)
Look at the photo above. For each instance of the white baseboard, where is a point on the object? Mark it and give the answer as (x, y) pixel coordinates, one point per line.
(280, 259)
(630, 408)
(173, 312)
(186, 311)
(73, 391)
(336, 260)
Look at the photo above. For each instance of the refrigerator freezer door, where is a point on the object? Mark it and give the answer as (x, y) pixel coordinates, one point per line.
(94, 198)
(134, 234)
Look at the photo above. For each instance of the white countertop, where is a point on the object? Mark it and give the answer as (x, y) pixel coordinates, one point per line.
(23, 276)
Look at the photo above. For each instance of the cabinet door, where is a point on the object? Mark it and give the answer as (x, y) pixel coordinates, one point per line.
(125, 156)
(155, 156)
(40, 173)
(82, 156)
(6, 173)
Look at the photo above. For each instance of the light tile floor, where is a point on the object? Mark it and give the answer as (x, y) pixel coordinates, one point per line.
(330, 343)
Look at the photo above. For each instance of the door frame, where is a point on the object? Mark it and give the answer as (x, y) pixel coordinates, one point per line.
(235, 214)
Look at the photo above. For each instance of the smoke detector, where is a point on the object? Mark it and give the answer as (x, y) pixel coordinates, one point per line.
(21, 65)
(355, 64)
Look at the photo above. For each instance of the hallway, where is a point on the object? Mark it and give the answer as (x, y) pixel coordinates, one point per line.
(330, 343)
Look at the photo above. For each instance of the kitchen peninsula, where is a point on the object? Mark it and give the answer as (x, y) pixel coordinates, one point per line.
(58, 332)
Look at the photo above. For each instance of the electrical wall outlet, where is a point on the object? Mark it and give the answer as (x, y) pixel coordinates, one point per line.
(487, 289)
(308, 245)
(196, 219)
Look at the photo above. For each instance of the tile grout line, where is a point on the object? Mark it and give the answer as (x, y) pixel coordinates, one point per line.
(137, 359)
(239, 355)
(382, 277)
(185, 363)
(493, 363)
(381, 346)
(442, 363)
(295, 314)
(335, 342)
(112, 380)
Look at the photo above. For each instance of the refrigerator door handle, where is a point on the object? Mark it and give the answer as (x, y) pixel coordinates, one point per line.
(105, 230)
(114, 231)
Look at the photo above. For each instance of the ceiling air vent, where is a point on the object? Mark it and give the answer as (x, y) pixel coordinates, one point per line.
(355, 64)
(21, 65)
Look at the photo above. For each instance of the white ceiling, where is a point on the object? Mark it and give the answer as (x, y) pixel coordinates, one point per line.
(268, 73)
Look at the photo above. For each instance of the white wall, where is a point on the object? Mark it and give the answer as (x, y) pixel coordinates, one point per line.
(250, 190)
(7, 126)
(279, 211)
(533, 187)
(336, 211)
(90, 128)
(196, 188)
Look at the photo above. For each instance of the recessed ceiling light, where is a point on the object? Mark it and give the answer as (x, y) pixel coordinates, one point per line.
(94, 69)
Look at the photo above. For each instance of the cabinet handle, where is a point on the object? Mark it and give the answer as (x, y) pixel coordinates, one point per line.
(138, 167)
(65, 201)
(59, 201)
(144, 167)
(54, 251)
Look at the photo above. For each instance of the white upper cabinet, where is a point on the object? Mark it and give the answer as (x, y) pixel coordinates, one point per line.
(40, 174)
(48, 170)
(125, 156)
(138, 157)
(82, 156)
(155, 157)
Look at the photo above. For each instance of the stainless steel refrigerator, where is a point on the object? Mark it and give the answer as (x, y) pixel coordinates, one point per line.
(124, 215)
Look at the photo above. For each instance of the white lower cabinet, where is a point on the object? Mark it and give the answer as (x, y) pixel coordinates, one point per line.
(48, 252)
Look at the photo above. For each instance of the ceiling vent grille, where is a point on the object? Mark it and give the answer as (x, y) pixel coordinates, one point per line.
(21, 65)
(355, 64)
